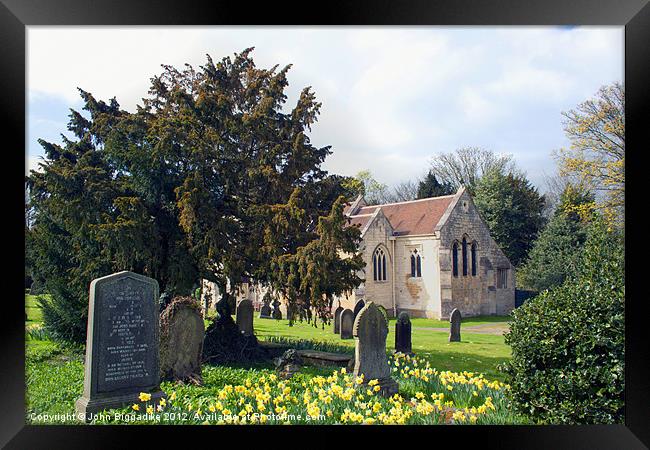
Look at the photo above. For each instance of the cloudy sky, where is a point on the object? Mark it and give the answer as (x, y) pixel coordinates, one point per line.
(392, 96)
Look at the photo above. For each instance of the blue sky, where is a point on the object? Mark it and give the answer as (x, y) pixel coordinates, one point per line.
(392, 96)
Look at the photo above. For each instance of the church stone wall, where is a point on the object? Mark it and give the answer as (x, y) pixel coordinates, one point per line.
(473, 295)
(419, 296)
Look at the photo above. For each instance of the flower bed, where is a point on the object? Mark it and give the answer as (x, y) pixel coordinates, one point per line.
(426, 396)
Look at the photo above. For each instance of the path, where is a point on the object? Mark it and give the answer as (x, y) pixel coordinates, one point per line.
(485, 328)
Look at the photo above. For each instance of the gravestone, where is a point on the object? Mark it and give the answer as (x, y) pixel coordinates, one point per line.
(244, 317)
(181, 340)
(121, 343)
(454, 326)
(337, 320)
(265, 310)
(383, 311)
(370, 360)
(347, 322)
(276, 314)
(403, 333)
(360, 304)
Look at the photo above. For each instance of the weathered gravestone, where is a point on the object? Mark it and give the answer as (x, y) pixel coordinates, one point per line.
(181, 340)
(244, 317)
(383, 311)
(265, 310)
(277, 313)
(337, 320)
(347, 322)
(121, 344)
(454, 326)
(403, 333)
(357, 308)
(370, 360)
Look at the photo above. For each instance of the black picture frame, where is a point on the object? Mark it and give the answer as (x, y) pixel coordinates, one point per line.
(16, 15)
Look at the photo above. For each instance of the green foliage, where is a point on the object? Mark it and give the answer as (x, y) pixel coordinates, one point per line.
(325, 267)
(568, 342)
(512, 209)
(431, 187)
(179, 190)
(557, 250)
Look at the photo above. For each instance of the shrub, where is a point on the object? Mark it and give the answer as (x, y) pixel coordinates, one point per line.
(568, 342)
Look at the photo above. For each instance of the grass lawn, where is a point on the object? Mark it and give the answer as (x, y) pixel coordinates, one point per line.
(476, 352)
(34, 313)
(54, 373)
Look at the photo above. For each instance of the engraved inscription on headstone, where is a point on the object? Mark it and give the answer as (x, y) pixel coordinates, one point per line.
(121, 343)
(370, 360)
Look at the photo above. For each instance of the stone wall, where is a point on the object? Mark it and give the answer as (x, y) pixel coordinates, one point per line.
(472, 295)
(419, 296)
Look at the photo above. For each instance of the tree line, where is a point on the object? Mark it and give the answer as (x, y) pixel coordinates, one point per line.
(541, 234)
(210, 179)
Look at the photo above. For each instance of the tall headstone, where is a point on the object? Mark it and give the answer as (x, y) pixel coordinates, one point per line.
(181, 340)
(122, 343)
(454, 326)
(337, 320)
(276, 313)
(244, 317)
(360, 304)
(370, 360)
(383, 311)
(347, 322)
(265, 310)
(403, 333)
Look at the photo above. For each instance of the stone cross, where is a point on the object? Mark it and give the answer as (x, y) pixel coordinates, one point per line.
(181, 340)
(121, 343)
(454, 326)
(403, 333)
(244, 317)
(347, 321)
(337, 320)
(370, 360)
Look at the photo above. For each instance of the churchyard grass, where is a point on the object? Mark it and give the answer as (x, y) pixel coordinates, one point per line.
(475, 353)
(34, 313)
(54, 375)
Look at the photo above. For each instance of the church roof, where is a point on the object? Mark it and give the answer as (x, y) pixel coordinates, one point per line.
(407, 218)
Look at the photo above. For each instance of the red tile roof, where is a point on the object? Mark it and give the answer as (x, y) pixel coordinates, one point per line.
(408, 218)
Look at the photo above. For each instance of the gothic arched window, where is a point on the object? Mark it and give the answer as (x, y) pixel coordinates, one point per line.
(454, 259)
(464, 257)
(473, 259)
(379, 265)
(416, 264)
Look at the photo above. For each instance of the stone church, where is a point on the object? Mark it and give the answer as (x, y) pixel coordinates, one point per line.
(429, 256)
(425, 257)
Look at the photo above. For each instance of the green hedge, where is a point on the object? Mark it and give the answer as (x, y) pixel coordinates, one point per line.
(568, 343)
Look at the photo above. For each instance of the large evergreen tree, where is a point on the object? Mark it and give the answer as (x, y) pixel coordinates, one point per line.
(429, 186)
(512, 209)
(183, 188)
(555, 253)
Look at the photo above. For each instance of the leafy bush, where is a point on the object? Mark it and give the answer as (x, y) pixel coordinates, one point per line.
(568, 342)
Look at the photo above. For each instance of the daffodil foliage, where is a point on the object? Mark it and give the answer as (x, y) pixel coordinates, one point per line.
(427, 396)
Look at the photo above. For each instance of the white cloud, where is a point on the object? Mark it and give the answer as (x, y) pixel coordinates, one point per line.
(391, 96)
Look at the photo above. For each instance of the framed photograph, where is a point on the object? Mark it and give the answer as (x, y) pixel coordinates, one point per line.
(369, 218)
